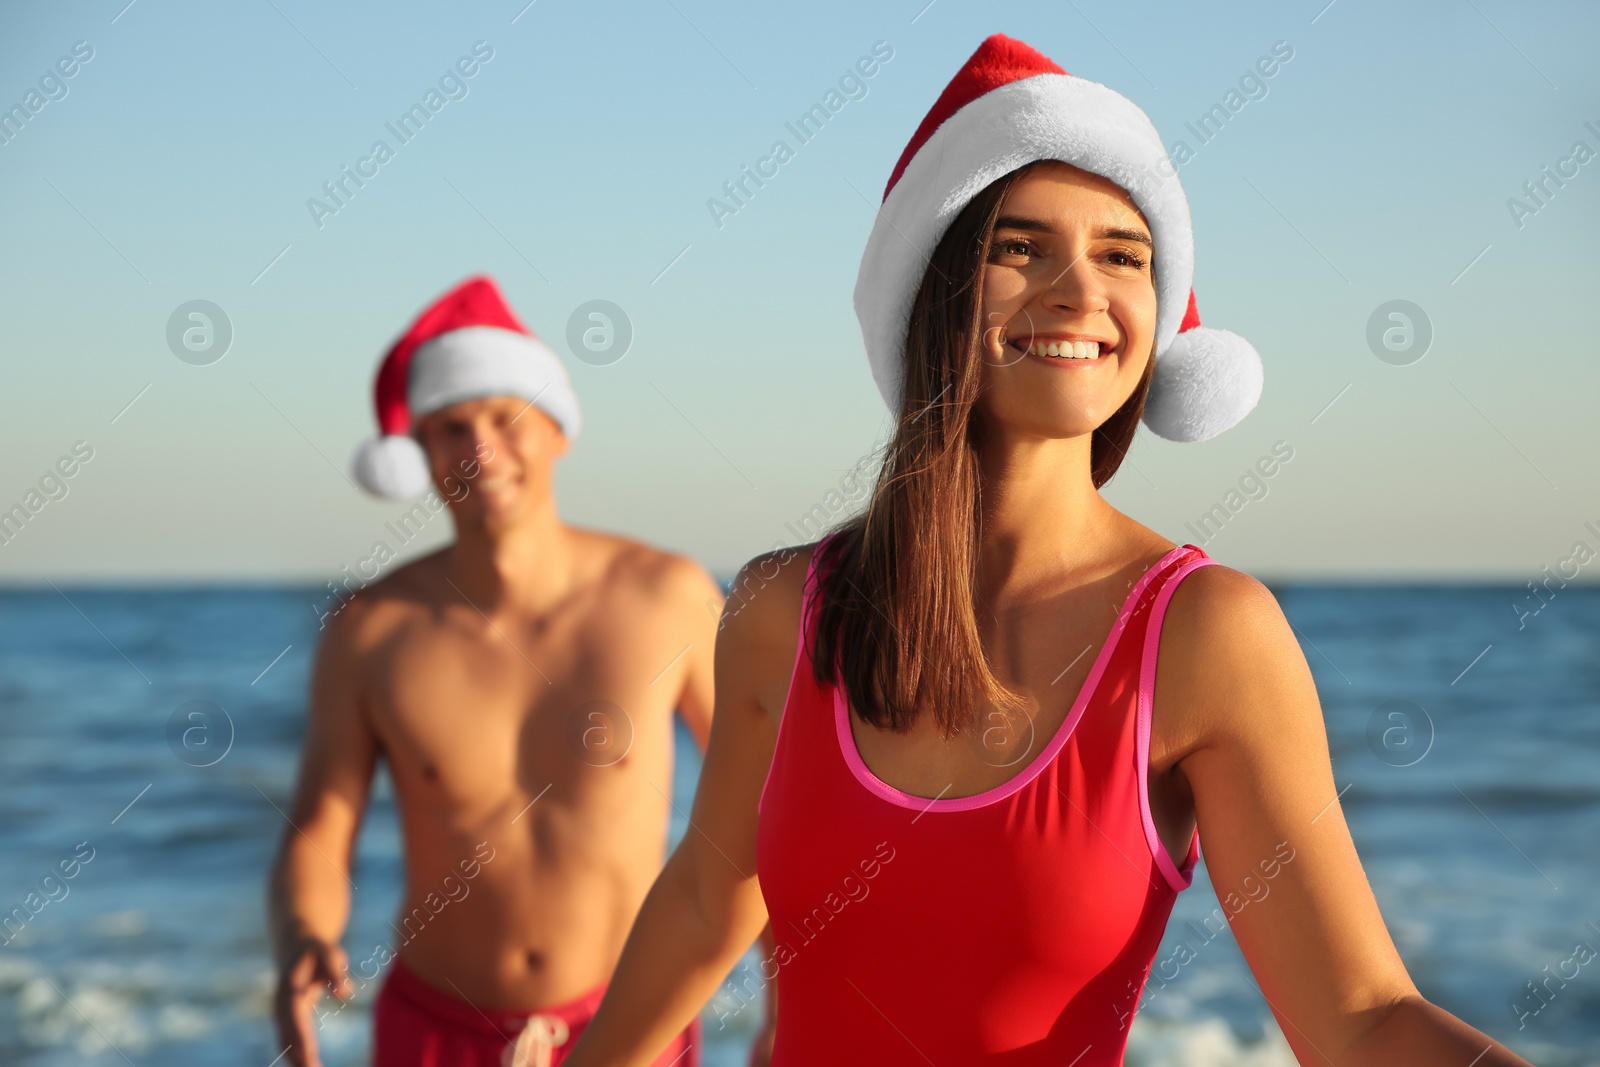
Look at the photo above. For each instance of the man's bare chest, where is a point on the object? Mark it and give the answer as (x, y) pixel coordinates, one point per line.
(507, 707)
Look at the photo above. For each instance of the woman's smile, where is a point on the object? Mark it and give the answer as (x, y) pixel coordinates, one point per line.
(1064, 352)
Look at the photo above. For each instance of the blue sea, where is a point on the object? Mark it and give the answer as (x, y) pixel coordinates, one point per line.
(1466, 744)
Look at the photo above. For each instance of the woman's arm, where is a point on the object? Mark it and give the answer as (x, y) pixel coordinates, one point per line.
(1242, 708)
(706, 907)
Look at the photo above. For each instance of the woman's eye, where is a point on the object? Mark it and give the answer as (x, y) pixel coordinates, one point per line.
(1013, 248)
(1127, 258)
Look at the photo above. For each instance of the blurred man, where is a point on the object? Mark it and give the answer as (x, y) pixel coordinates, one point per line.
(520, 683)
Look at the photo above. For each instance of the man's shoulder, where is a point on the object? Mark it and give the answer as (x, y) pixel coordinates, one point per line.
(376, 609)
(625, 567)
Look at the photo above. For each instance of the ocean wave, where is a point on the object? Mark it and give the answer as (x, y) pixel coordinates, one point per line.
(1509, 796)
(86, 1008)
(1203, 1043)
(93, 1006)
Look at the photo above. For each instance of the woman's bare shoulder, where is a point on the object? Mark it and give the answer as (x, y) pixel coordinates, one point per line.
(766, 588)
(1227, 651)
(1217, 596)
(759, 633)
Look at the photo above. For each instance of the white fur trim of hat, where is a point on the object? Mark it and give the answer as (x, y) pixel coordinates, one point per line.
(1009, 106)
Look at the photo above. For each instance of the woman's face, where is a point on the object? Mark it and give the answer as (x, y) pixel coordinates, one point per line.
(1068, 303)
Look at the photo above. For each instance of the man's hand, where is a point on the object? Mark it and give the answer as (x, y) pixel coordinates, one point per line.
(308, 967)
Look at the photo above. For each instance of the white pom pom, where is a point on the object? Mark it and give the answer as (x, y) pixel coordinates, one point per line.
(1205, 382)
(392, 466)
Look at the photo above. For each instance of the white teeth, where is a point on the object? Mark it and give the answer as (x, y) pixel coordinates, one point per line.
(1067, 349)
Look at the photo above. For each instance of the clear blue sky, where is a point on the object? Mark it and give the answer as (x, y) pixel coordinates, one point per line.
(177, 166)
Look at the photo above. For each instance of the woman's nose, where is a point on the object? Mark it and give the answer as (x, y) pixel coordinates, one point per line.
(1076, 288)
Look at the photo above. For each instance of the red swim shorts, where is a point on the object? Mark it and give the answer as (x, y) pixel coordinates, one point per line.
(416, 1025)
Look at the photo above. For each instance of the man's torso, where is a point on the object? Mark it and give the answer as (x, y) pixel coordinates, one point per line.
(531, 757)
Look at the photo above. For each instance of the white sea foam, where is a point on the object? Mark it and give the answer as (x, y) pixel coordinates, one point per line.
(94, 1006)
(147, 1006)
(119, 924)
(1206, 1043)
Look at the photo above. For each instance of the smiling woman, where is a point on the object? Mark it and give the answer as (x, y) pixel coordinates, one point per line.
(1044, 237)
(906, 679)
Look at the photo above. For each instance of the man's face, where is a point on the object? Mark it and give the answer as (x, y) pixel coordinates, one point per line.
(492, 458)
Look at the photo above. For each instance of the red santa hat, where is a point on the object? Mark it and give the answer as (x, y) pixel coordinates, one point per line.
(1009, 106)
(467, 344)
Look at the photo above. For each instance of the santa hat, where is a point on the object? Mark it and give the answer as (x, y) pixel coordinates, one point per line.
(468, 344)
(1009, 106)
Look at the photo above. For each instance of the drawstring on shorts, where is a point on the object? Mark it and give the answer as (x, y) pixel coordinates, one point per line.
(540, 1036)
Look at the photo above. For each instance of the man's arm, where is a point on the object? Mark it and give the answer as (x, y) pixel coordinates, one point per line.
(700, 603)
(706, 906)
(308, 889)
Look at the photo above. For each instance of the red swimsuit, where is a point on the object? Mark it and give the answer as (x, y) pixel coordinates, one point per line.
(1014, 927)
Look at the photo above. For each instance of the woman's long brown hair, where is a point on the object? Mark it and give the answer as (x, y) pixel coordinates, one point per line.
(897, 622)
